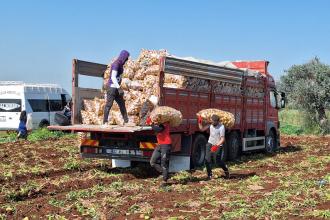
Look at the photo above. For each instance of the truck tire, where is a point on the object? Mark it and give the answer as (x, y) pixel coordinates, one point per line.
(271, 145)
(43, 123)
(233, 146)
(198, 151)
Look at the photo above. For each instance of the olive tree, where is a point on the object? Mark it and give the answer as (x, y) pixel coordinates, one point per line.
(308, 88)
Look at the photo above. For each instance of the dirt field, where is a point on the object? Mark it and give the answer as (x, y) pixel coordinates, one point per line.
(48, 180)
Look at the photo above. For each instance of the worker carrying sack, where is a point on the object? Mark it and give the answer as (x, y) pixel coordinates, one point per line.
(226, 118)
(163, 114)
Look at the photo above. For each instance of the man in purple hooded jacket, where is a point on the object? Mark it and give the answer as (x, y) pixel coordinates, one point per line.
(114, 92)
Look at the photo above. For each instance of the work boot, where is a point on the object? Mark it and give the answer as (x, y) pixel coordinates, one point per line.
(209, 176)
(227, 175)
(159, 178)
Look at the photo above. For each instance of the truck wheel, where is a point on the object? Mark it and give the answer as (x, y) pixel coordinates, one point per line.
(198, 152)
(233, 146)
(43, 123)
(271, 144)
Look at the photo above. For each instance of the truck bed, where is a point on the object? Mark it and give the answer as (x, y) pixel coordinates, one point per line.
(99, 128)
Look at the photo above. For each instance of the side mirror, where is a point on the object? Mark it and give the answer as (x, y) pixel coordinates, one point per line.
(283, 100)
(282, 103)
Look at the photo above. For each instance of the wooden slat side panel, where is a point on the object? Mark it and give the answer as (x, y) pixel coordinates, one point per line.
(90, 69)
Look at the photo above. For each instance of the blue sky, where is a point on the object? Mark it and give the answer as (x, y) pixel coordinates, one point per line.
(38, 39)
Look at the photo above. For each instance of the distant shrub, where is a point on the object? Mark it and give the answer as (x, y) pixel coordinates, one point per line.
(291, 129)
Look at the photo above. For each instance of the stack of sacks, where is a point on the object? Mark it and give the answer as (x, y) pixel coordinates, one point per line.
(175, 81)
(140, 81)
(226, 118)
(254, 92)
(93, 111)
(183, 82)
(198, 85)
(163, 114)
(106, 77)
(227, 88)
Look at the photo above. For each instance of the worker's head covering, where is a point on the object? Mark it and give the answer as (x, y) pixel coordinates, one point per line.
(119, 63)
(154, 100)
(123, 57)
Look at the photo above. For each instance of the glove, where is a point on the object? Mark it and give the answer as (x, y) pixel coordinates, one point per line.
(148, 121)
(214, 148)
(200, 120)
(120, 91)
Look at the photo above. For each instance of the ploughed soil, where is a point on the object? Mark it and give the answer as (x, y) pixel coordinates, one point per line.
(49, 180)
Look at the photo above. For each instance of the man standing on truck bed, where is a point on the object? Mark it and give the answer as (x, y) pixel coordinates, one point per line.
(114, 92)
(162, 150)
(215, 142)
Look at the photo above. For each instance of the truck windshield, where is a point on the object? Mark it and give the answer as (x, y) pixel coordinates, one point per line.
(10, 105)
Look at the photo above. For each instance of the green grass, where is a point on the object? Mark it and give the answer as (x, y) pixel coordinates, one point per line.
(291, 129)
(182, 177)
(72, 164)
(36, 135)
(44, 134)
(56, 217)
(6, 138)
(56, 203)
(325, 214)
(25, 191)
(295, 122)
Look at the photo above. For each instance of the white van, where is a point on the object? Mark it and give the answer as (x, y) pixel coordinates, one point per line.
(40, 101)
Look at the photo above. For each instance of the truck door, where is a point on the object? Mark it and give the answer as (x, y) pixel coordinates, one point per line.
(272, 117)
(272, 104)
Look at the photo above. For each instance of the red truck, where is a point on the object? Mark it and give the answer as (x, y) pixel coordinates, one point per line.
(256, 114)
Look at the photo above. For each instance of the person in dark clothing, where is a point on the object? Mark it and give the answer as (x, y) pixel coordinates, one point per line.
(67, 110)
(63, 118)
(114, 92)
(22, 130)
(215, 143)
(146, 108)
(162, 150)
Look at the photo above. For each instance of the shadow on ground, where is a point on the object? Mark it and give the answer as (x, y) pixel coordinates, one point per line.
(260, 155)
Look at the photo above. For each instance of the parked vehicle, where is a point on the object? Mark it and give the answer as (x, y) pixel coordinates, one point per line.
(256, 126)
(40, 101)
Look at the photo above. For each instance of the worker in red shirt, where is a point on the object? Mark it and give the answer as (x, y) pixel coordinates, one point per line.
(162, 150)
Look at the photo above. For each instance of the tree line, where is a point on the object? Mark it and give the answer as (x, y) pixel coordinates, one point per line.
(307, 88)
